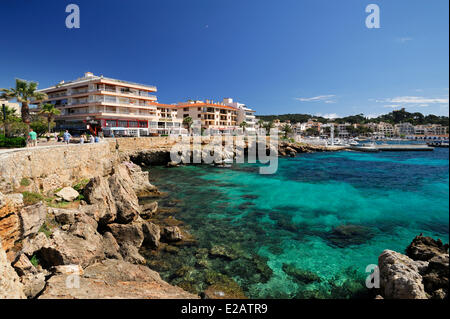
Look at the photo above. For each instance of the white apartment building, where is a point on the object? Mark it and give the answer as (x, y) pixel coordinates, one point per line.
(245, 114)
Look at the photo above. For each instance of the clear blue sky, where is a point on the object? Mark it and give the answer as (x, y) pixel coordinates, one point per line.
(287, 56)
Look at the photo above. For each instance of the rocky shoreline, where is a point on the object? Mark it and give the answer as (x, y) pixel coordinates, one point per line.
(98, 236)
(90, 250)
(421, 273)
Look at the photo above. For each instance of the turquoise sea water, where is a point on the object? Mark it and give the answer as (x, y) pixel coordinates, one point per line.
(325, 214)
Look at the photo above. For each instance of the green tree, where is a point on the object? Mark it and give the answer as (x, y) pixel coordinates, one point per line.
(25, 92)
(50, 112)
(187, 121)
(267, 126)
(312, 132)
(286, 130)
(243, 125)
(39, 125)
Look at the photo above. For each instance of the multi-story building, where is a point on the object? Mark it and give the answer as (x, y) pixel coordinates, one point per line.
(404, 129)
(244, 114)
(385, 130)
(217, 117)
(14, 106)
(97, 103)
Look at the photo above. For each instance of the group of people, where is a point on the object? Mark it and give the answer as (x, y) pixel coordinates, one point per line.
(66, 138)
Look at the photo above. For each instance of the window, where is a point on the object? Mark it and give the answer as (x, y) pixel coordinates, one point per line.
(199, 108)
(111, 123)
(122, 123)
(199, 115)
(142, 124)
(186, 109)
(132, 124)
(185, 115)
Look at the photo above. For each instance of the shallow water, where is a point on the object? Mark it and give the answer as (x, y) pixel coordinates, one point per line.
(328, 215)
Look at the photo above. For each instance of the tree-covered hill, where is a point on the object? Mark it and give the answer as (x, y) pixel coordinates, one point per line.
(393, 117)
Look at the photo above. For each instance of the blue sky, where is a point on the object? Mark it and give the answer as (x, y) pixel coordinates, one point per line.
(287, 56)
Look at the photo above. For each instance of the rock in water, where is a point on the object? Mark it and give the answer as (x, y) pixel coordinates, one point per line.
(425, 248)
(171, 234)
(68, 194)
(300, 275)
(400, 277)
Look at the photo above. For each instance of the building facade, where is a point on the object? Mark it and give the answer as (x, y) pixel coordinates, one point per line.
(96, 103)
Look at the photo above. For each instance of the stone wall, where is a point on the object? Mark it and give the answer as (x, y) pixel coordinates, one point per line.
(52, 167)
(48, 168)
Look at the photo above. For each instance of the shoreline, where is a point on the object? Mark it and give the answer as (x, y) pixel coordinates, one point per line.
(110, 228)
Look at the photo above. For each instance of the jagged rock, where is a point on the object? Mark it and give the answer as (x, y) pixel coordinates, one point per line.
(68, 269)
(131, 254)
(68, 194)
(33, 284)
(30, 245)
(425, 248)
(115, 279)
(139, 178)
(112, 249)
(103, 206)
(16, 199)
(81, 245)
(149, 209)
(63, 216)
(10, 285)
(399, 277)
(23, 266)
(437, 273)
(32, 217)
(152, 234)
(171, 234)
(128, 233)
(127, 203)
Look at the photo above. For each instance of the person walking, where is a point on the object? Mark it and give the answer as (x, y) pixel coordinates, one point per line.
(82, 138)
(91, 139)
(67, 137)
(32, 136)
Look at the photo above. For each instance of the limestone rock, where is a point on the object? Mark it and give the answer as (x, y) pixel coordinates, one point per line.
(98, 193)
(140, 181)
(111, 248)
(30, 245)
(115, 279)
(23, 266)
(425, 248)
(171, 234)
(32, 217)
(149, 209)
(81, 245)
(63, 216)
(152, 234)
(128, 233)
(127, 203)
(68, 269)
(10, 285)
(68, 194)
(399, 277)
(33, 284)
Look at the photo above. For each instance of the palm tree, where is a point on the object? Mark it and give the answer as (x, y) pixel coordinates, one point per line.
(286, 129)
(267, 126)
(260, 123)
(25, 93)
(50, 111)
(243, 125)
(188, 122)
(7, 113)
